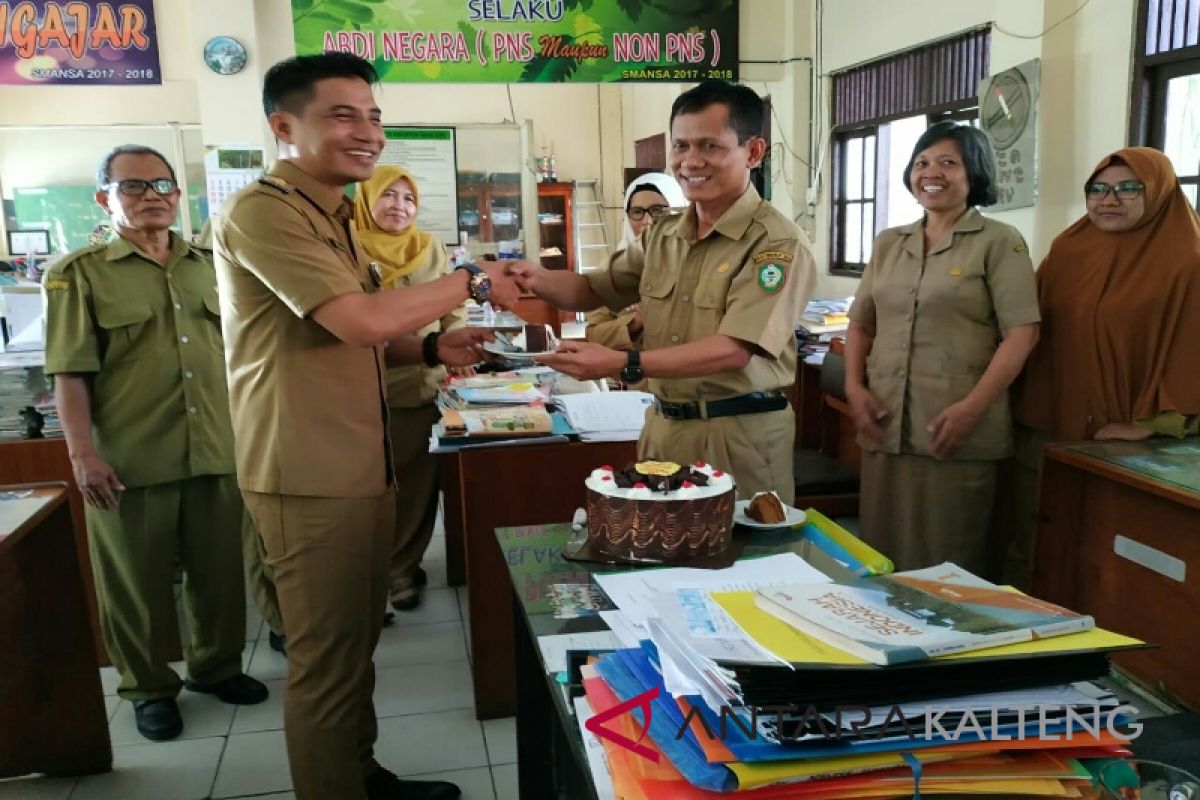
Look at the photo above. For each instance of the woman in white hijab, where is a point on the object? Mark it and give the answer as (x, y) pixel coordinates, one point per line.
(647, 198)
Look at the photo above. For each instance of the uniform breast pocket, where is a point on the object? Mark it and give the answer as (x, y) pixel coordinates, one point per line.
(657, 292)
(127, 330)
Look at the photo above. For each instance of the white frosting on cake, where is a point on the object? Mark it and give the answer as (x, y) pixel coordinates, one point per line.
(717, 485)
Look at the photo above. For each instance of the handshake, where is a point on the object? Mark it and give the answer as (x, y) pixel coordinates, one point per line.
(509, 280)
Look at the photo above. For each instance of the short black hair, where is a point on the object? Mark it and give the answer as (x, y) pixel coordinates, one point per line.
(644, 187)
(744, 104)
(977, 156)
(290, 84)
(104, 169)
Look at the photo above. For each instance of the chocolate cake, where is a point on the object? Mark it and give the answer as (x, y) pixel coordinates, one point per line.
(766, 508)
(660, 510)
(537, 339)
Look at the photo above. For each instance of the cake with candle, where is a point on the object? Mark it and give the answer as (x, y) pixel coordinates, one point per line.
(660, 510)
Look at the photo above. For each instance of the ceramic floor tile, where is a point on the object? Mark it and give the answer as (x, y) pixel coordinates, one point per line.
(476, 784)
(264, 663)
(437, 605)
(463, 600)
(266, 716)
(437, 549)
(418, 743)
(501, 737)
(179, 770)
(39, 788)
(435, 571)
(420, 644)
(504, 778)
(109, 680)
(203, 716)
(254, 763)
(423, 688)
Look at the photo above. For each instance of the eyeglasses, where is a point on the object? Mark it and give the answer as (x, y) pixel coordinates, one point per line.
(637, 213)
(1125, 190)
(135, 187)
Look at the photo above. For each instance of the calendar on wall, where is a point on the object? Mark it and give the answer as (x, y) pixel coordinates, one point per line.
(228, 168)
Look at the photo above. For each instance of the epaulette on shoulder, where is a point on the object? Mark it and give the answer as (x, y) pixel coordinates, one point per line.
(75, 255)
(276, 182)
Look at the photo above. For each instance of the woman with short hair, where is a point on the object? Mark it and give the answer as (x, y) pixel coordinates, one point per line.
(941, 325)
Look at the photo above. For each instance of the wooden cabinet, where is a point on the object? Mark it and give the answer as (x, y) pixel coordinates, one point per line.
(556, 224)
(489, 206)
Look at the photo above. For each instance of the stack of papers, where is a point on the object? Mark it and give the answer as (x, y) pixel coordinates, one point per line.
(606, 416)
(22, 384)
(736, 699)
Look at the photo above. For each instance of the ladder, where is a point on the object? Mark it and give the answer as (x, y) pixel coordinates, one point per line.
(592, 246)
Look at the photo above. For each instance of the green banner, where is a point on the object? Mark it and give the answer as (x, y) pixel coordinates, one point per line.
(527, 41)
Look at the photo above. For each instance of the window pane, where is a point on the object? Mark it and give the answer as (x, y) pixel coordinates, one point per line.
(1181, 141)
(868, 231)
(853, 237)
(1190, 190)
(869, 167)
(854, 169)
(902, 207)
(194, 175)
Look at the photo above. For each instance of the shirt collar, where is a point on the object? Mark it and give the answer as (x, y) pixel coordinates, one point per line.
(311, 188)
(969, 222)
(732, 224)
(121, 247)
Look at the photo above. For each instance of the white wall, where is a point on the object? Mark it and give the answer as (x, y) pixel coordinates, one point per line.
(1084, 105)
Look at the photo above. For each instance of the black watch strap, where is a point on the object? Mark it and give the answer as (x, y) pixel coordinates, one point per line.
(429, 353)
(633, 367)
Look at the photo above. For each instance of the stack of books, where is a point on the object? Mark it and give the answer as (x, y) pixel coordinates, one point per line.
(24, 384)
(824, 319)
(930, 682)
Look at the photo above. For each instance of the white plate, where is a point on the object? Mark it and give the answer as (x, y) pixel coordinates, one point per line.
(794, 517)
(497, 349)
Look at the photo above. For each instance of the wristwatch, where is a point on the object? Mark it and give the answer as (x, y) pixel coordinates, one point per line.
(480, 285)
(632, 373)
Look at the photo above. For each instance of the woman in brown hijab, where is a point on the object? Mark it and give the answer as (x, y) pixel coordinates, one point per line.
(1120, 299)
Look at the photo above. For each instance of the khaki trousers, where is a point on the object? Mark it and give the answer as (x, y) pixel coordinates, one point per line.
(756, 449)
(134, 548)
(416, 486)
(329, 556)
(262, 582)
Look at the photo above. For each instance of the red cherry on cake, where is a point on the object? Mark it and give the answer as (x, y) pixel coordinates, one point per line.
(606, 467)
(687, 485)
(700, 465)
(717, 473)
(606, 478)
(639, 485)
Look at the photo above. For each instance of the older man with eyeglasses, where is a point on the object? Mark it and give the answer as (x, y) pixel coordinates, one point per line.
(133, 338)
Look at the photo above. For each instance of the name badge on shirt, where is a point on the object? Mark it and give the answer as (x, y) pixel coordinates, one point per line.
(955, 272)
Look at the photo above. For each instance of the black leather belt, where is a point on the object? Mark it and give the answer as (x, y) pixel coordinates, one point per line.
(753, 403)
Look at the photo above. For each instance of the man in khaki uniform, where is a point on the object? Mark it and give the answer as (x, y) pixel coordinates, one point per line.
(306, 332)
(722, 285)
(134, 340)
(262, 583)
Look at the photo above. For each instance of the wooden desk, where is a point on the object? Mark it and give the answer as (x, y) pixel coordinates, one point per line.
(1088, 501)
(500, 487)
(41, 460)
(52, 716)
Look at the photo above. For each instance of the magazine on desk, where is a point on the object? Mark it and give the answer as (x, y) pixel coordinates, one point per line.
(917, 615)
